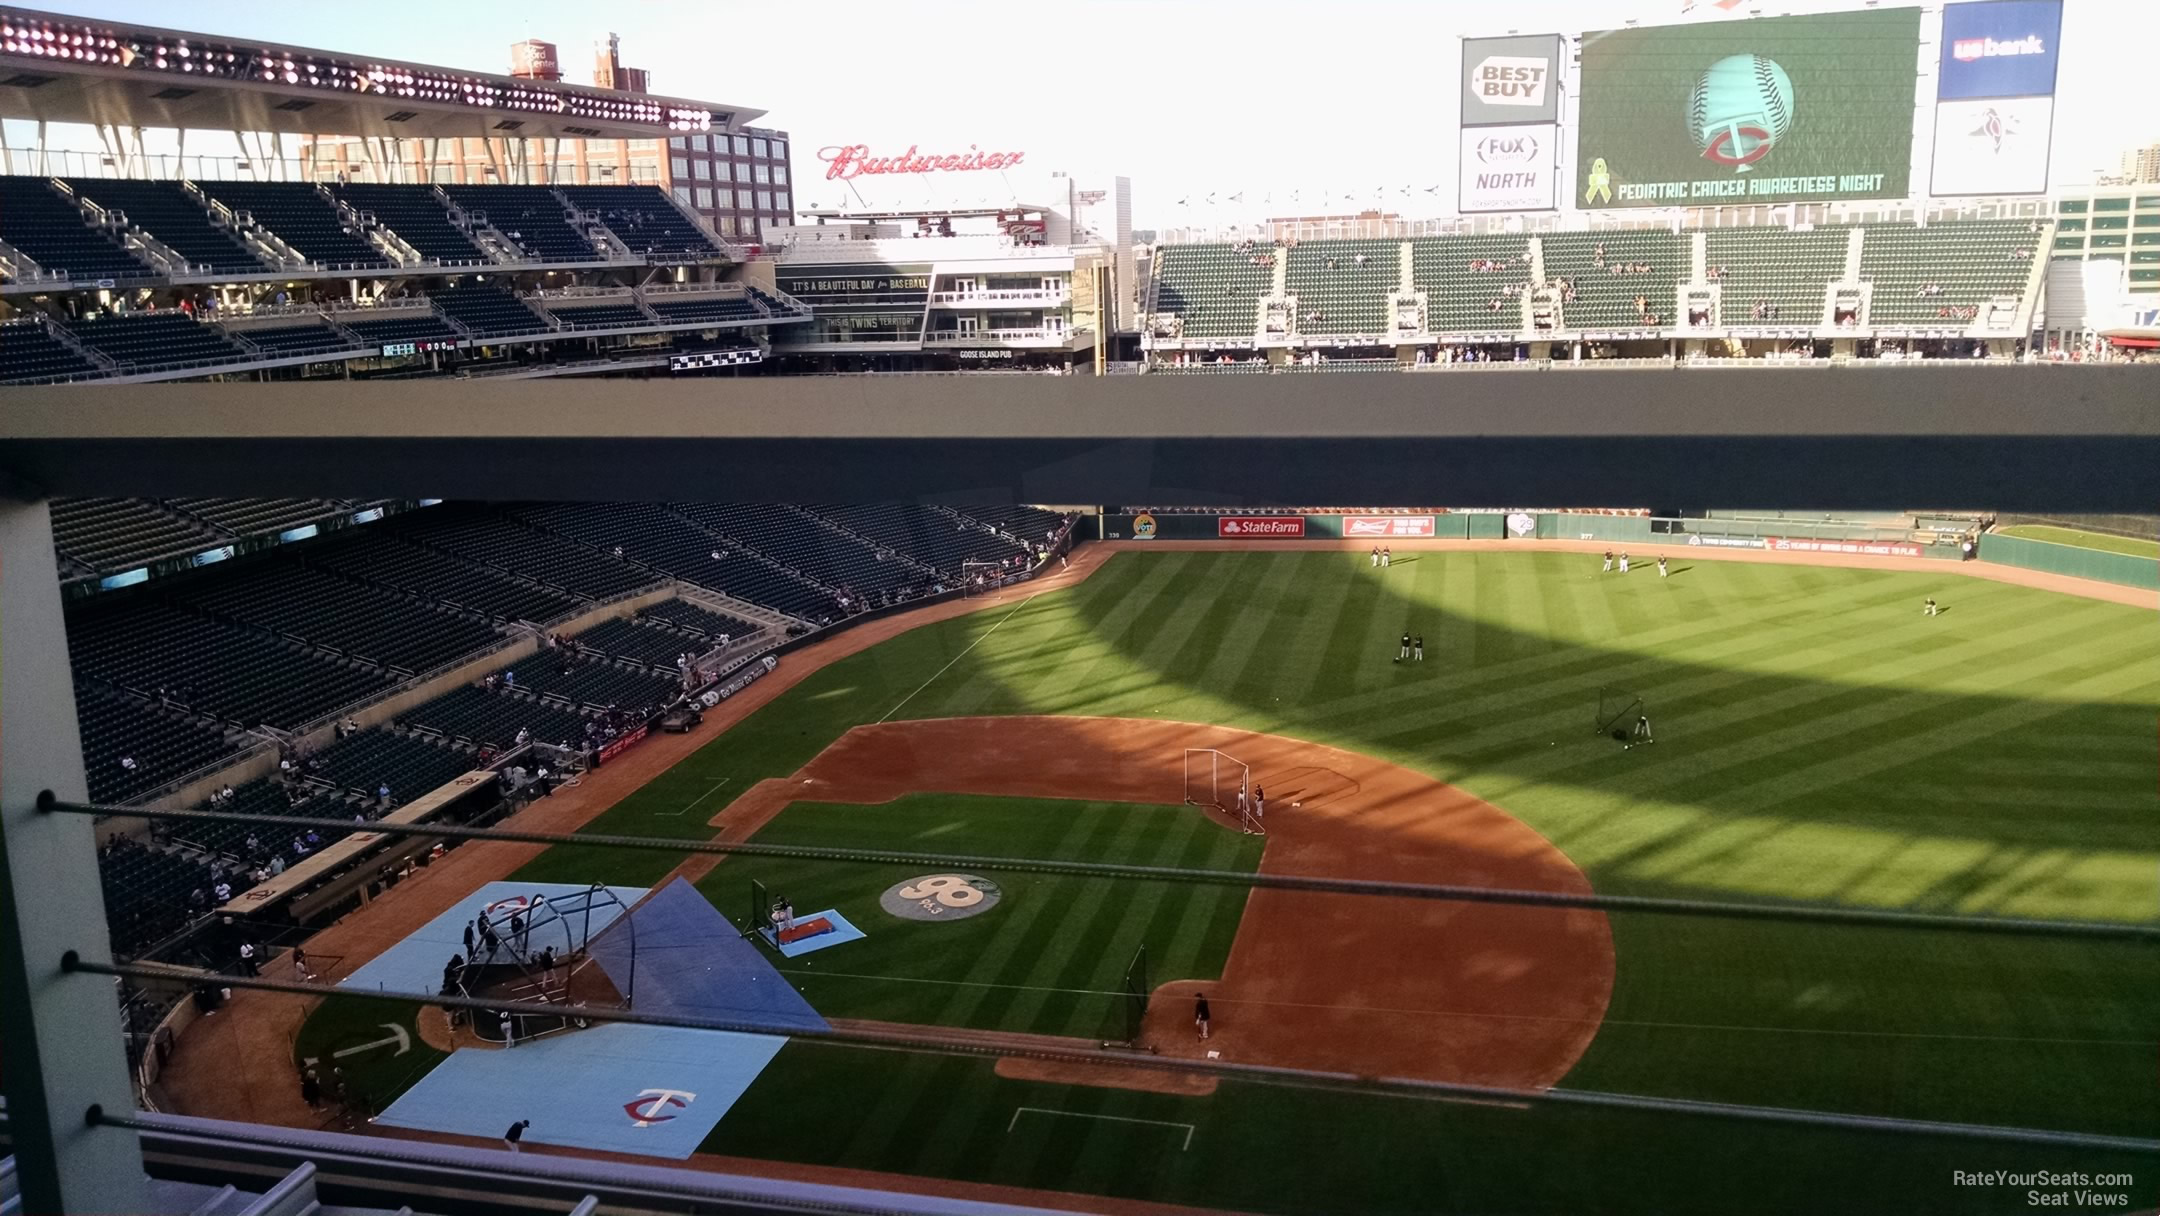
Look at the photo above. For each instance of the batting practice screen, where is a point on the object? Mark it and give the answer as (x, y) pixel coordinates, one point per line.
(1764, 110)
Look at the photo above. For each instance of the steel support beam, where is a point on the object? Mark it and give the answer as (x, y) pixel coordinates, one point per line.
(2001, 438)
(62, 1039)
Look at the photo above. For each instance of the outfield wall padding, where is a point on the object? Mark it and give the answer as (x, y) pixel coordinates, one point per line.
(2121, 569)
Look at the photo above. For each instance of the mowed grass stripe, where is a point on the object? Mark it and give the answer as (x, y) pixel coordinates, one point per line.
(1753, 671)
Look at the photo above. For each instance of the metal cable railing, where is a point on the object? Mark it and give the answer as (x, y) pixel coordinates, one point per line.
(934, 1042)
(1719, 909)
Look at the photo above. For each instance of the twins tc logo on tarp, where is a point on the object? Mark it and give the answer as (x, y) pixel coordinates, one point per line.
(644, 1110)
(1741, 108)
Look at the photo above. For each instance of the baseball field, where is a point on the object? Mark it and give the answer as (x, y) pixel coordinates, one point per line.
(1818, 741)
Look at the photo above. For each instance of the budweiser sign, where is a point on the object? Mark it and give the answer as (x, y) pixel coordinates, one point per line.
(1387, 525)
(843, 161)
(1266, 527)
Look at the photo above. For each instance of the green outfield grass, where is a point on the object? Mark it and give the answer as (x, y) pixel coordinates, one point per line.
(1049, 957)
(374, 1075)
(1819, 740)
(2085, 540)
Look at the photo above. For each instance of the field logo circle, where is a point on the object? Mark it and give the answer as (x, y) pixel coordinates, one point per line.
(940, 897)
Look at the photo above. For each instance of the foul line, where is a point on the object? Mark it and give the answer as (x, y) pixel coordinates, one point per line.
(963, 654)
(1077, 1114)
(693, 805)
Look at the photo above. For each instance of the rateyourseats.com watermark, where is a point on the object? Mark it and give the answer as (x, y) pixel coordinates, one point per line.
(2049, 1189)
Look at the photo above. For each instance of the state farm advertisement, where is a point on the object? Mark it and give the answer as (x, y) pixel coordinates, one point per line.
(1387, 525)
(1870, 548)
(1260, 527)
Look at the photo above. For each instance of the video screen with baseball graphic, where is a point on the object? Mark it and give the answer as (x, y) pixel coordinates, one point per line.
(1766, 110)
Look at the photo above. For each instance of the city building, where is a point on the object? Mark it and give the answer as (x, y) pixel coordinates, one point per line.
(737, 180)
(2140, 165)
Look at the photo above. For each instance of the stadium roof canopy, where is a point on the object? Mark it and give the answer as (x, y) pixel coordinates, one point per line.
(58, 68)
(2028, 438)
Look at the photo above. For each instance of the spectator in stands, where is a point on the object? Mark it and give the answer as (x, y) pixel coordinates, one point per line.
(382, 794)
(299, 847)
(127, 765)
(222, 892)
(277, 864)
(247, 959)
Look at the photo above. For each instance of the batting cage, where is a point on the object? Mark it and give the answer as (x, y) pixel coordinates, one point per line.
(1215, 778)
(534, 948)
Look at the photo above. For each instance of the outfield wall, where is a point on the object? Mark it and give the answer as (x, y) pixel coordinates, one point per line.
(1788, 535)
(2120, 568)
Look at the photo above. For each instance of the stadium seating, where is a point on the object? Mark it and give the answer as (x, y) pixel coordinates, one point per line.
(672, 543)
(49, 229)
(143, 341)
(637, 642)
(222, 671)
(109, 534)
(1459, 299)
(163, 746)
(704, 308)
(1348, 284)
(482, 718)
(299, 215)
(387, 561)
(403, 325)
(828, 556)
(331, 614)
(774, 305)
(416, 215)
(1027, 523)
(1605, 300)
(1785, 270)
(488, 311)
(1215, 289)
(698, 620)
(645, 220)
(924, 534)
(600, 316)
(1971, 262)
(592, 684)
(254, 516)
(29, 355)
(176, 218)
(547, 560)
(408, 764)
(148, 891)
(530, 216)
(281, 341)
(265, 796)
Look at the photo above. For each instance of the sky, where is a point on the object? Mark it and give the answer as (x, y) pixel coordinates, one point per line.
(1186, 97)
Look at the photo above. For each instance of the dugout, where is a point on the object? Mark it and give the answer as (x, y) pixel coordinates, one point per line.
(343, 875)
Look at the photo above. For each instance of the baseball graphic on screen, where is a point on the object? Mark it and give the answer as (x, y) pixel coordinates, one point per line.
(1742, 106)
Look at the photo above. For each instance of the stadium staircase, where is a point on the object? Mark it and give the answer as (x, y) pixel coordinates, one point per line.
(43, 222)
(166, 213)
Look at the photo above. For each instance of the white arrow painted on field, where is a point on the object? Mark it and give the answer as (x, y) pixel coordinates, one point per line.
(397, 1038)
